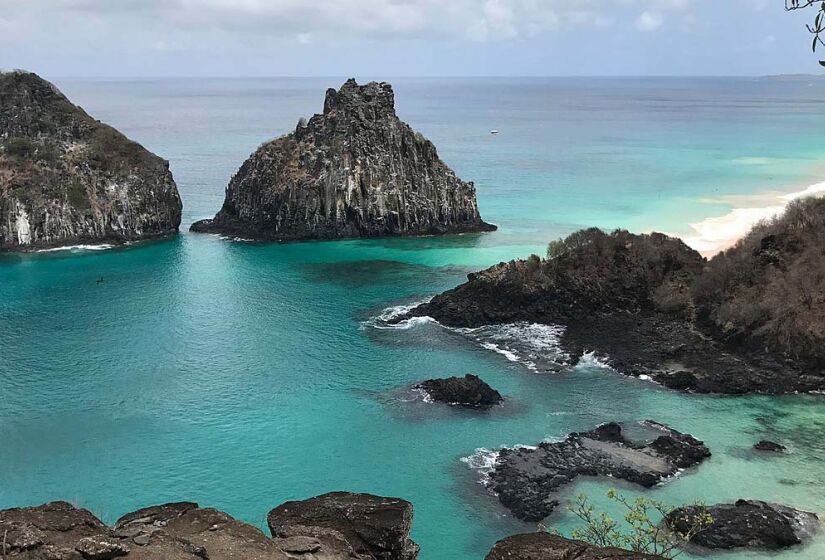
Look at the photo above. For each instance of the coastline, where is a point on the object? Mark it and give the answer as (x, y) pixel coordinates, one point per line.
(717, 233)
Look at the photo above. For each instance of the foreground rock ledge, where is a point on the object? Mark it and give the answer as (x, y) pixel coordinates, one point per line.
(364, 527)
(468, 391)
(748, 524)
(373, 526)
(356, 170)
(527, 480)
(68, 179)
(545, 546)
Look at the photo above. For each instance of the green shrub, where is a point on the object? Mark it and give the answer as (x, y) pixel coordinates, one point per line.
(642, 529)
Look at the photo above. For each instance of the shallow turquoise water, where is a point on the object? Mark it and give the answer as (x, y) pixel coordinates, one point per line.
(241, 375)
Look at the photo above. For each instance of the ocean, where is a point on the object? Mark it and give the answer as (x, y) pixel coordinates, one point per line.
(240, 375)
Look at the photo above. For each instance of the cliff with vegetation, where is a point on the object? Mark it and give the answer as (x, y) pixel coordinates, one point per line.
(356, 170)
(66, 178)
(750, 320)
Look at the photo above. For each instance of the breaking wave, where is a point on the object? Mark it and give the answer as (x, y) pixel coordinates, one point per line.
(77, 248)
(536, 346)
(386, 319)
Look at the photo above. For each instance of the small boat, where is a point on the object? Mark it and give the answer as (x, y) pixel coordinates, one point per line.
(494, 131)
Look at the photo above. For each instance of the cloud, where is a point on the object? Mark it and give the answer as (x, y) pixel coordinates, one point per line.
(649, 21)
(474, 20)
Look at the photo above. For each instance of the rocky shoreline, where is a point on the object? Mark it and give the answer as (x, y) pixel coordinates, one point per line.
(334, 526)
(355, 170)
(652, 307)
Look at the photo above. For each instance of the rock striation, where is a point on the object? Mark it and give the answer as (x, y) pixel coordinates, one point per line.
(748, 524)
(527, 480)
(468, 391)
(546, 546)
(66, 178)
(654, 308)
(356, 170)
(350, 527)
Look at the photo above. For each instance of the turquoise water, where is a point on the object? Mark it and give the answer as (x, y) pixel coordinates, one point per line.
(241, 375)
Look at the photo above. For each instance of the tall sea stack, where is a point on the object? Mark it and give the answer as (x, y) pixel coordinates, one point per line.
(356, 170)
(66, 178)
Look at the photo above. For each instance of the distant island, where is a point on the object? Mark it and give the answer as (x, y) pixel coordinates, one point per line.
(356, 170)
(66, 178)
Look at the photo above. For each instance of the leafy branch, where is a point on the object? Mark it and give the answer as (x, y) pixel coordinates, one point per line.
(818, 27)
(644, 530)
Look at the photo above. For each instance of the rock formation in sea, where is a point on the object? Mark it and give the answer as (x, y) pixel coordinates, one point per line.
(66, 178)
(349, 527)
(750, 320)
(542, 545)
(769, 446)
(356, 170)
(527, 480)
(748, 524)
(468, 391)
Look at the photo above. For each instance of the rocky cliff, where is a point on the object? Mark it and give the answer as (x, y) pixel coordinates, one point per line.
(356, 170)
(66, 178)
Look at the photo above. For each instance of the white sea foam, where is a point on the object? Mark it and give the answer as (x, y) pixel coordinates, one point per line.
(718, 233)
(590, 359)
(536, 346)
(484, 461)
(75, 248)
(385, 319)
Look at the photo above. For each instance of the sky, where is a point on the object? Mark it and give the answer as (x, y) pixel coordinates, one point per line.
(159, 38)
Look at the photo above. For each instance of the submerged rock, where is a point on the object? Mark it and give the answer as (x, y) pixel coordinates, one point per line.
(373, 527)
(769, 446)
(545, 546)
(66, 178)
(469, 391)
(356, 170)
(748, 523)
(632, 299)
(527, 479)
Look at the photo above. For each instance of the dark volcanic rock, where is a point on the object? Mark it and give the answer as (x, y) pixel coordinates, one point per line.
(770, 446)
(66, 178)
(527, 480)
(469, 391)
(373, 526)
(630, 298)
(747, 523)
(545, 546)
(356, 170)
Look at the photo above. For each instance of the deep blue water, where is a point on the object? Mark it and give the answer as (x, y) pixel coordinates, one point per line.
(241, 375)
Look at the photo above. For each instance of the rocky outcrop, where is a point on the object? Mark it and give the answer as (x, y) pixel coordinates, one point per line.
(468, 391)
(364, 528)
(546, 546)
(747, 524)
(66, 178)
(527, 479)
(373, 527)
(633, 300)
(769, 446)
(356, 170)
